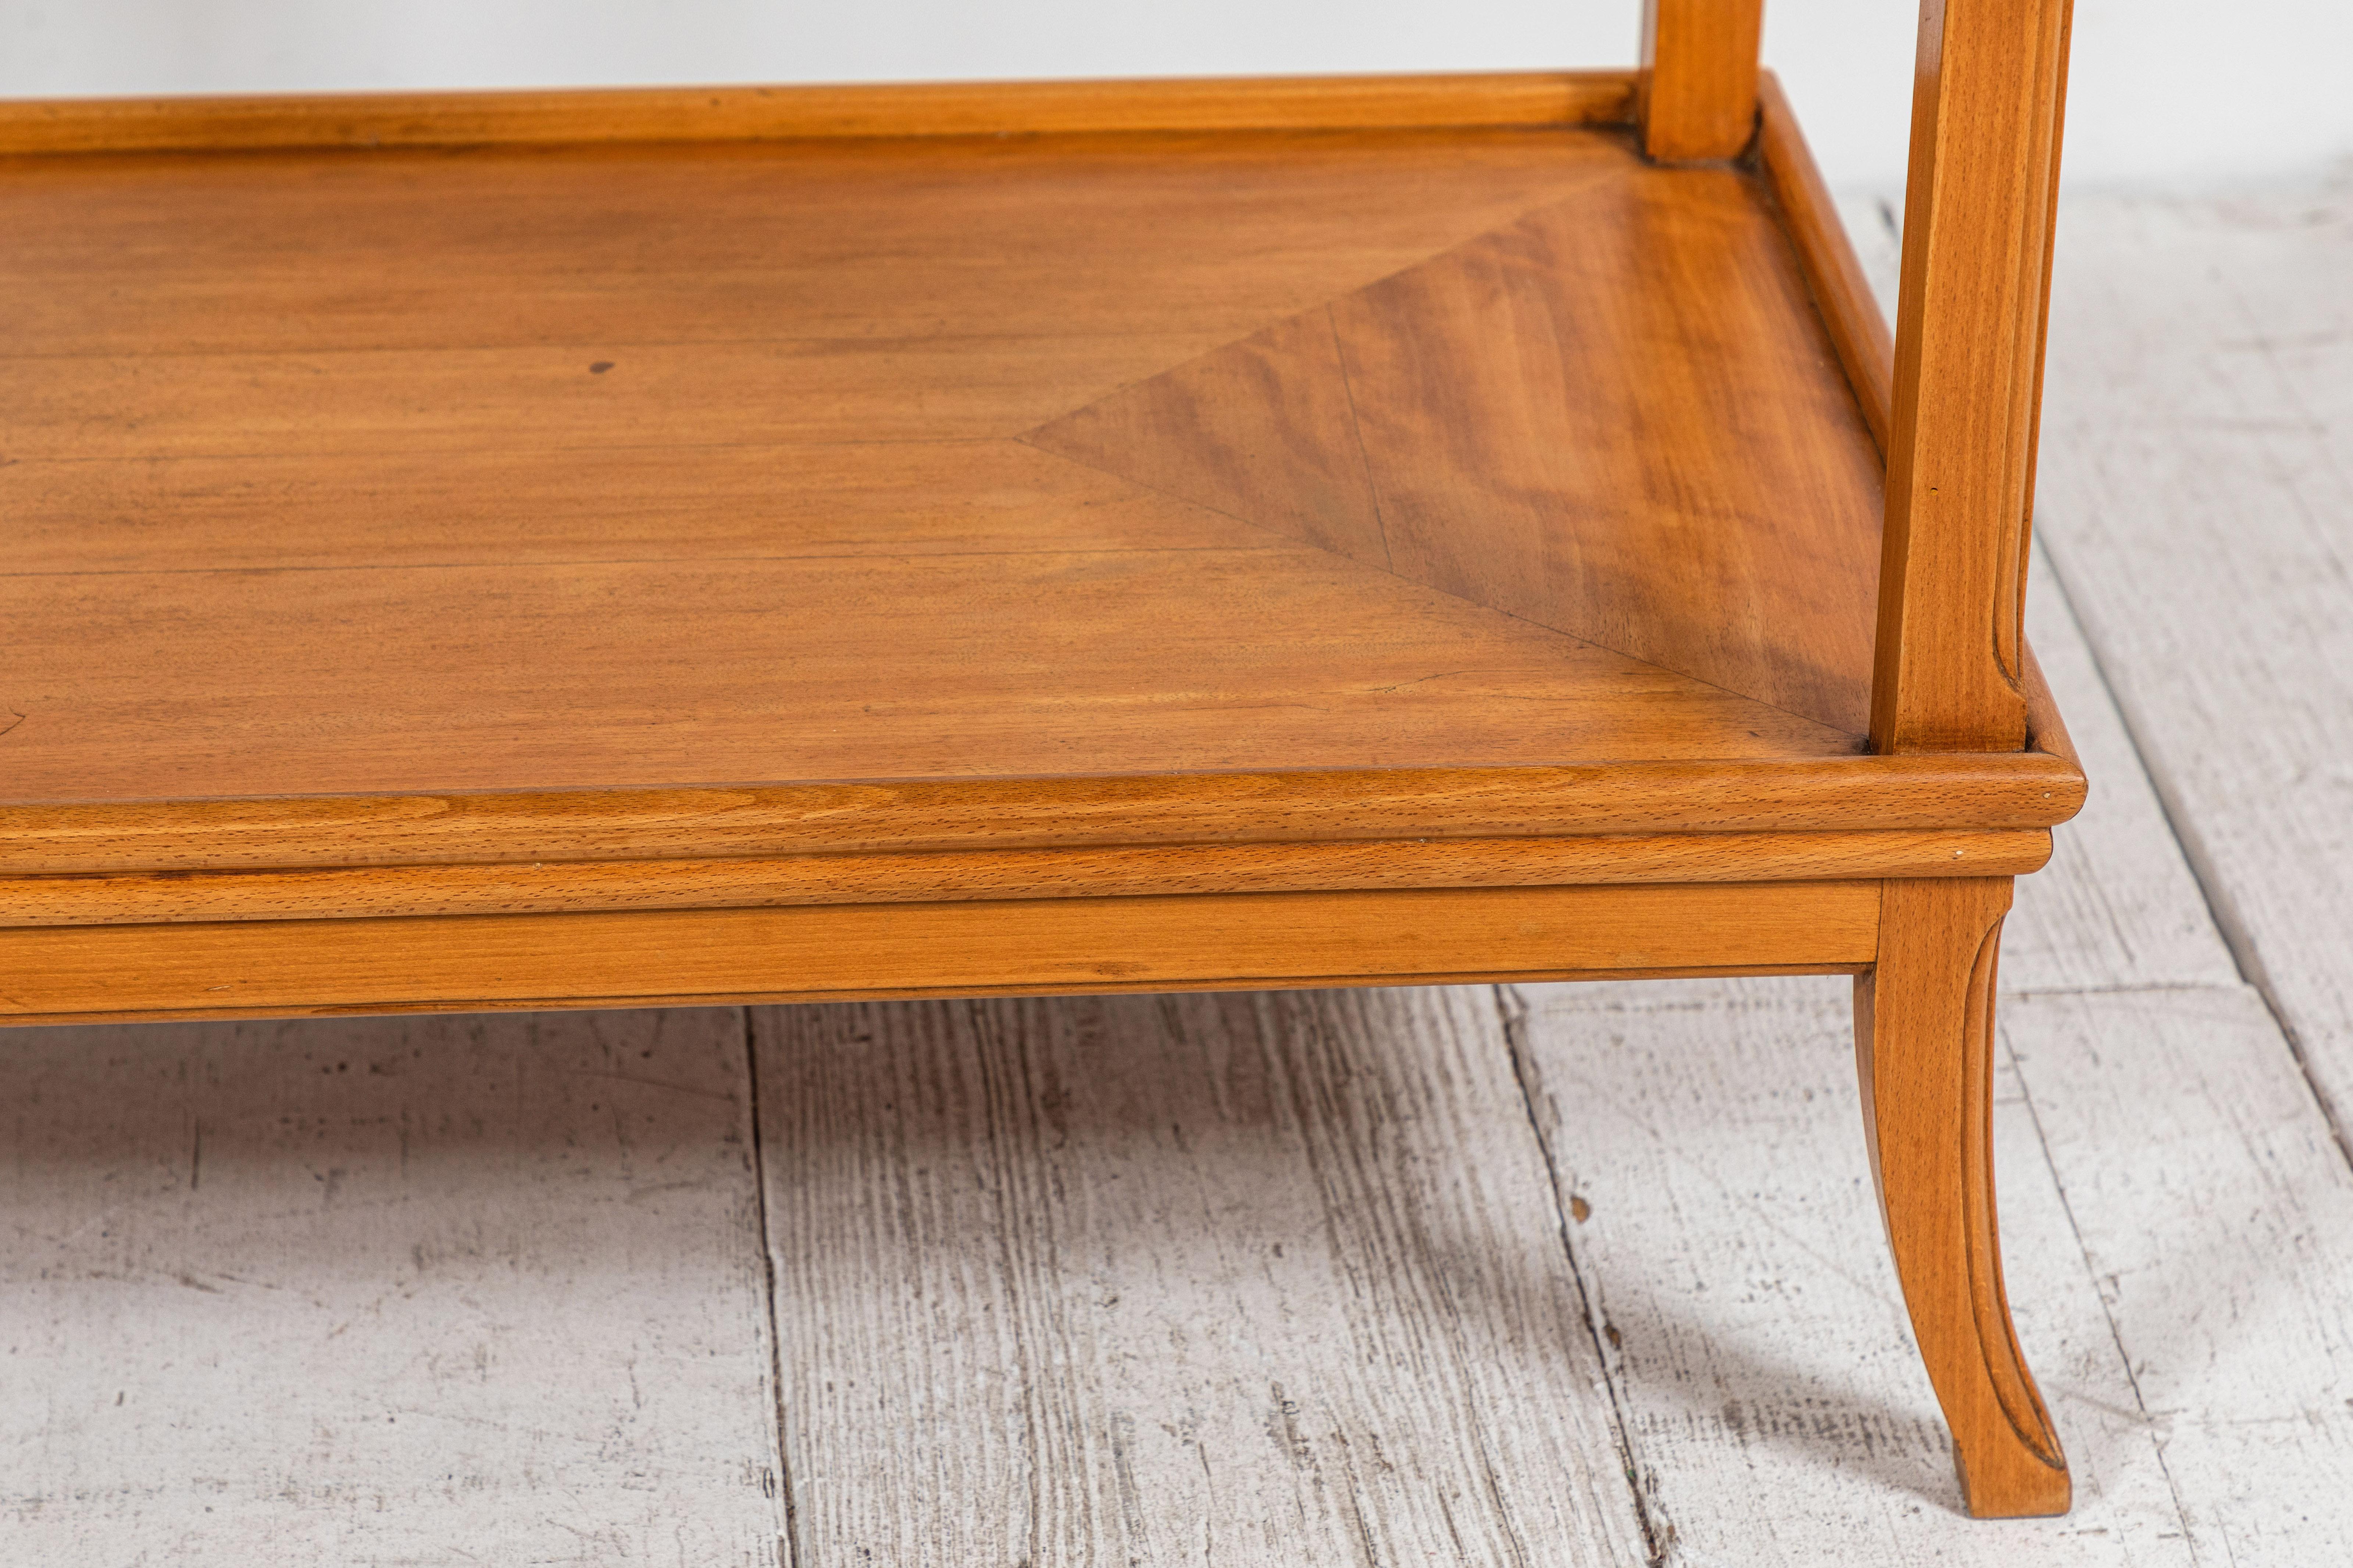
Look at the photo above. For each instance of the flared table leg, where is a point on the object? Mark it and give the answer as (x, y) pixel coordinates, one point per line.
(1924, 1047)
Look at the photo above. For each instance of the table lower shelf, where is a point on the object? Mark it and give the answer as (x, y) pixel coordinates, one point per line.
(337, 473)
(1271, 545)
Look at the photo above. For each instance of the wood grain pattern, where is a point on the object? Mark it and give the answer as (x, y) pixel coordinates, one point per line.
(1660, 391)
(865, 245)
(1834, 271)
(959, 993)
(573, 115)
(1115, 872)
(456, 961)
(1010, 665)
(424, 403)
(2187, 1430)
(1535, 418)
(610, 506)
(1924, 1049)
(1075, 629)
(1181, 1281)
(1697, 93)
(2168, 1183)
(1968, 373)
(1264, 431)
(1760, 1353)
(1845, 794)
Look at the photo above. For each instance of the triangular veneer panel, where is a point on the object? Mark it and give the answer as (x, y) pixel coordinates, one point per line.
(1261, 429)
(1619, 418)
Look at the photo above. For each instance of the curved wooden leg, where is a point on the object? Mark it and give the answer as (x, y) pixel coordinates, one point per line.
(1924, 1046)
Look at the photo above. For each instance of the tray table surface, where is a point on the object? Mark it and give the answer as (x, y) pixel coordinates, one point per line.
(337, 473)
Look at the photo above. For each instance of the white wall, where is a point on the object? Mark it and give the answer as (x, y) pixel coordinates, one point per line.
(2165, 91)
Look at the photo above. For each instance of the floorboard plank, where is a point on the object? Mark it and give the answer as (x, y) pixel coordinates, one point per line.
(463, 1289)
(2118, 907)
(2201, 536)
(1245, 1278)
(1708, 1134)
(2197, 476)
(2216, 1211)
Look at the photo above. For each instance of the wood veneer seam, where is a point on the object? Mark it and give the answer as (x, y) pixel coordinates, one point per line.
(1356, 430)
(1469, 245)
(1559, 194)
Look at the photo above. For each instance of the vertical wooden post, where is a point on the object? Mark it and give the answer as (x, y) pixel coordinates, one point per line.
(1987, 104)
(1699, 78)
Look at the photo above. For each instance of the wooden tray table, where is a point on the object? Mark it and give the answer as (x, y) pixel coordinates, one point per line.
(599, 549)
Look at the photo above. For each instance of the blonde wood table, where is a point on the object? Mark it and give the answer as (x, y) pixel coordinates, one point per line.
(596, 548)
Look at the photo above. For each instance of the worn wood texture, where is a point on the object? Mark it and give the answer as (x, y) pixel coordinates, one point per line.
(2203, 540)
(1978, 199)
(1713, 1142)
(2215, 1208)
(2166, 1097)
(2118, 908)
(1706, 1138)
(1256, 1279)
(1924, 1019)
(1697, 91)
(809, 951)
(431, 1290)
(573, 116)
(1707, 1132)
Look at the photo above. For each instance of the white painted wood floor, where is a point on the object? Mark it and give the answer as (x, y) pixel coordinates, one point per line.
(1560, 1275)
